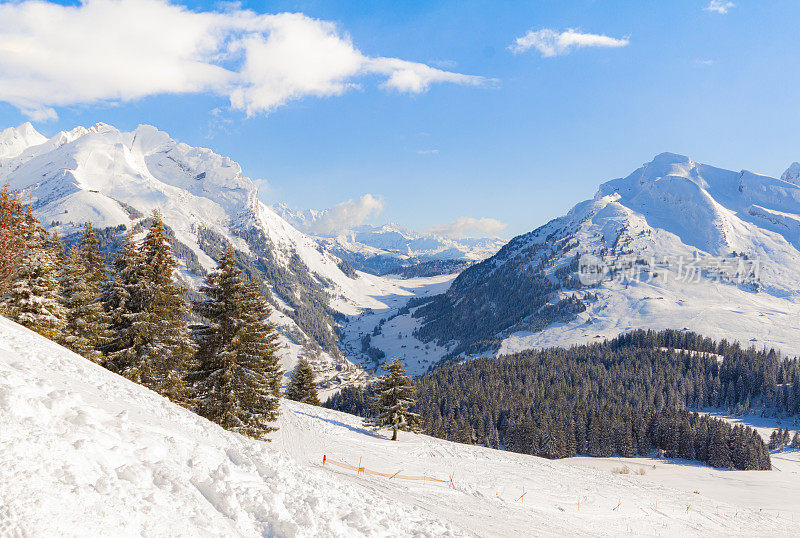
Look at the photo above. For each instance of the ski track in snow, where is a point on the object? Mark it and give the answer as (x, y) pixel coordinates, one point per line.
(84, 452)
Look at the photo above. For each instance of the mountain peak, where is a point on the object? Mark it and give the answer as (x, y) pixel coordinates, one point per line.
(792, 174)
(671, 158)
(15, 140)
(101, 127)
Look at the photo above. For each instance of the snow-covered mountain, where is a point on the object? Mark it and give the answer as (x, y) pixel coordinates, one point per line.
(391, 248)
(14, 141)
(676, 244)
(116, 179)
(85, 452)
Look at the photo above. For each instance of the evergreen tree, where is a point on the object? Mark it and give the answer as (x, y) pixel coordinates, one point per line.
(394, 401)
(718, 453)
(775, 440)
(124, 298)
(150, 317)
(164, 359)
(33, 297)
(11, 238)
(302, 387)
(686, 441)
(624, 444)
(87, 323)
(237, 382)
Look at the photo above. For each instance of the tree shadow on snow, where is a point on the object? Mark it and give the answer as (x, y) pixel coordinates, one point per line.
(355, 429)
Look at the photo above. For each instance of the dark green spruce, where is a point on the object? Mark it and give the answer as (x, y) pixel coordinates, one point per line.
(302, 387)
(237, 381)
(393, 401)
(151, 342)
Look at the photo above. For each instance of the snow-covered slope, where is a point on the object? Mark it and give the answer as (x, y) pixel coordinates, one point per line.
(391, 248)
(116, 179)
(678, 244)
(84, 452)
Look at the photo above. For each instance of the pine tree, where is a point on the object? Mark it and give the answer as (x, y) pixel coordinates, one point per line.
(302, 387)
(238, 379)
(87, 323)
(151, 343)
(124, 297)
(164, 359)
(33, 297)
(686, 441)
(394, 401)
(775, 440)
(718, 453)
(11, 238)
(624, 444)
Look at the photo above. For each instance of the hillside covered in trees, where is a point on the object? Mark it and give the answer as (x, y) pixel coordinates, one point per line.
(630, 395)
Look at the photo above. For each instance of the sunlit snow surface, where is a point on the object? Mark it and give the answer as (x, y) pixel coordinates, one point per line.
(84, 452)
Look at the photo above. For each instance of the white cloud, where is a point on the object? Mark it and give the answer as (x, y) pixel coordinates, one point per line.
(719, 6)
(428, 151)
(119, 50)
(346, 215)
(704, 63)
(466, 226)
(551, 43)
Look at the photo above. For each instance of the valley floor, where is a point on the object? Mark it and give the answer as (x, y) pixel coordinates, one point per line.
(84, 452)
(395, 337)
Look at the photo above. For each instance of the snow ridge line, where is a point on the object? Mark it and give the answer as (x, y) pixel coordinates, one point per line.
(360, 469)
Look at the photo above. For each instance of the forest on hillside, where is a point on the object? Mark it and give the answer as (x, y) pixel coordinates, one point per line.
(630, 395)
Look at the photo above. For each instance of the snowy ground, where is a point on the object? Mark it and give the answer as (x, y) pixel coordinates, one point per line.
(776, 493)
(84, 452)
(705, 307)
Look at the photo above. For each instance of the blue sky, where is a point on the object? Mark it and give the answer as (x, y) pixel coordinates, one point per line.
(534, 137)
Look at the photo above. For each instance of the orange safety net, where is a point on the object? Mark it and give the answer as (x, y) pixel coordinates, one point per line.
(359, 469)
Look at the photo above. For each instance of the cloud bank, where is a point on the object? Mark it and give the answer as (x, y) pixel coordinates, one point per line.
(346, 215)
(466, 226)
(719, 6)
(53, 55)
(551, 43)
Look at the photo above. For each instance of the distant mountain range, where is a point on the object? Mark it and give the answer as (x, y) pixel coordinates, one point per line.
(676, 244)
(392, 249)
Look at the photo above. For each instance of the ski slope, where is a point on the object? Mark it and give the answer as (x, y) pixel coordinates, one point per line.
(84, 452)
